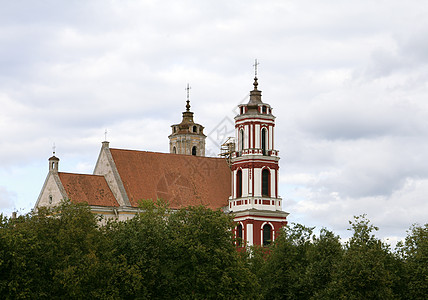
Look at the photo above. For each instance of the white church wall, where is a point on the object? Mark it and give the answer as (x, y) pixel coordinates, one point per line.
(104, 168)
(50, 195)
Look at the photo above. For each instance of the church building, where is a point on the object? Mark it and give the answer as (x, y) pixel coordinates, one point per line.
(245, 184)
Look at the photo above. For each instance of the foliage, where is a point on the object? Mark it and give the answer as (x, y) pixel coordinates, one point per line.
(299, 264)
(191, 254)
(158, 254)
(414, 254)
(367, 268)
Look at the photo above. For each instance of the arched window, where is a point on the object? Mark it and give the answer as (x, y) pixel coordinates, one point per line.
(264, 141)
(267, 234)
(242, 139)
(194, 150)
(194, 129)
(264, 110)
(239, 234)
(239, 184)
(174, 150)
(265, 183)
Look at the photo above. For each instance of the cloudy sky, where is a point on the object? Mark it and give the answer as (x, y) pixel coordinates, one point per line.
(348, 81)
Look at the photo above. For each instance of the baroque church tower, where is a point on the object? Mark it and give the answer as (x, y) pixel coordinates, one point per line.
(187, 137)
(255, 174)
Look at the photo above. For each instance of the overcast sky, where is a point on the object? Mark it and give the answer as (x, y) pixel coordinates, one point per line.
(348, 81)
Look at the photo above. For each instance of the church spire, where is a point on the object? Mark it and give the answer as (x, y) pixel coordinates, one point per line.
(255, 94)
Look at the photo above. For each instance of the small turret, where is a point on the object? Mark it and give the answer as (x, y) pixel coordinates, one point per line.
(53, 164)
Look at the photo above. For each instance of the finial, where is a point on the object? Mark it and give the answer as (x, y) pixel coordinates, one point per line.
(256, 63)
(105, 135)
(53, 149)
(188, 101)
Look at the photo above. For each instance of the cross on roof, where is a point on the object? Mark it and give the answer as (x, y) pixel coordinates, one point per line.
(188, 101)
(53, 148)
(256, 63)
(188, 91)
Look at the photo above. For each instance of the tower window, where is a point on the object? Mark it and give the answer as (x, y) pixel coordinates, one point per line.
(264, 110)
(50, 199)
(195, 129)
(242, 139)
(194, 150)
(242, 110)
(239, 184)
(264, 141)
(174, 150)
(267, 234)
(265, 182)
(239, 235)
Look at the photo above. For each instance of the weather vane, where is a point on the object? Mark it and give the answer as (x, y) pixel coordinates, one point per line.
(256, 63)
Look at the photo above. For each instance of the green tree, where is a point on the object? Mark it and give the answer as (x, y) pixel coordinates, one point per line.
(298, 265)
(414, 254)
(53, 253)
(367, 269)
(186, 254)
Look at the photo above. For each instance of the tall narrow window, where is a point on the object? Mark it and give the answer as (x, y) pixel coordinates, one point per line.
(267, 234)
(265, 183)
(194, 150)
(264, 141)
(194, 129)
(242, 139)
(239, 184)
(174, 150)
(239, 234)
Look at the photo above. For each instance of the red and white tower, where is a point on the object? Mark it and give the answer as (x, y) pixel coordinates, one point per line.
(255, 172)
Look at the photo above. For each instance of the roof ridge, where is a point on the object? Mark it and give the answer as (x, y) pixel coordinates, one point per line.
(166, 153)
(71, 173)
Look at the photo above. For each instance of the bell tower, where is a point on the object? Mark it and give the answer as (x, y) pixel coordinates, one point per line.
(255, 172)
(187, 137)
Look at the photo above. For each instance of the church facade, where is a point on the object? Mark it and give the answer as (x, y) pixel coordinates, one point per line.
(245, 184)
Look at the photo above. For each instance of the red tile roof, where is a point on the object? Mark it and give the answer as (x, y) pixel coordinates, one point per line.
(182, 180)
(92, 189)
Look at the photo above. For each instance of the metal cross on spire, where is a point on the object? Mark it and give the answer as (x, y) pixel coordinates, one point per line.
(188, 101)
(105, 135)
(256, 63)
(53, 149)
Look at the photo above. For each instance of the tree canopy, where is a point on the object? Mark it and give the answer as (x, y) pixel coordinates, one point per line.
(66, 252)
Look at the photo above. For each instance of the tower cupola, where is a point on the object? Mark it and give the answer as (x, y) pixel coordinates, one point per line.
(187, 137)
